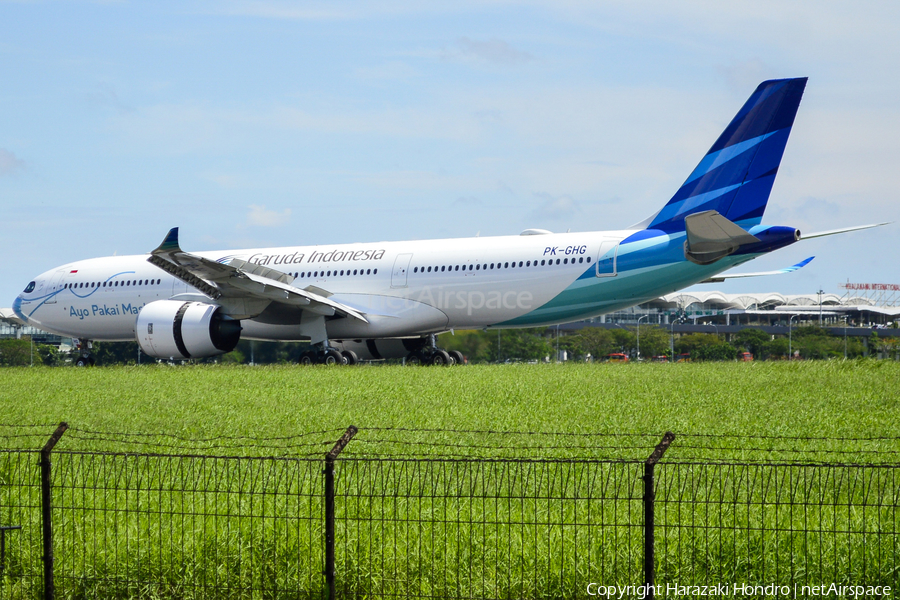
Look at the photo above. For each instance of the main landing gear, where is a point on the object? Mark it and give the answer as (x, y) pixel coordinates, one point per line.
(431, 355)
(323, 354)
(85, 358)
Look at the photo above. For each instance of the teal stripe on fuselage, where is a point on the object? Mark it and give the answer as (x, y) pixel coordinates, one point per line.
(649, 271)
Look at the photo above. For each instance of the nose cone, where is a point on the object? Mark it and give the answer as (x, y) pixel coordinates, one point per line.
(17, 308)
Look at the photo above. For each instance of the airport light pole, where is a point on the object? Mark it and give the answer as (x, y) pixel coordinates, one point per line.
(790, 338)
(639, 335)
(672, 336)
(821, 291)
(845, 337)
(557, 342)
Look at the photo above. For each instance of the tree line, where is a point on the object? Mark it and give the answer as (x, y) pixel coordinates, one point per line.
(515, 345)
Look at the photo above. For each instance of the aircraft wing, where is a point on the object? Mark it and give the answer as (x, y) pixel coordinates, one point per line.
(809, 236)
(241, 280)
(791, 269)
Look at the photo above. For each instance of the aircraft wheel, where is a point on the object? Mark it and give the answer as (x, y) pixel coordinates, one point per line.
(307, 358)
(415, 359)
(333, 357)
(440, 358)
(458, 357)
(350, 357)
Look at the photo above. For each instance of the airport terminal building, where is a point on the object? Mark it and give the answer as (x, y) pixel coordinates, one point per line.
(870, 310)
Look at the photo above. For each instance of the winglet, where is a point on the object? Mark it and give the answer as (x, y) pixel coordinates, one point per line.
(799, 265)
(170, 244)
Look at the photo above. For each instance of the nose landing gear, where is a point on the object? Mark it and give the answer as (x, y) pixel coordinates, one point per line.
(85, 358)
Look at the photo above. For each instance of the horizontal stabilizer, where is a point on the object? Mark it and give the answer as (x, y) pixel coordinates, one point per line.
(791, 269)
(710, 237)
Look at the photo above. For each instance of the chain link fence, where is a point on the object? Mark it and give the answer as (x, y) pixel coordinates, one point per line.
(441, 514)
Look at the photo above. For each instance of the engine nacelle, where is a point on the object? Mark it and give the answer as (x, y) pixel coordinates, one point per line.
(178, 329)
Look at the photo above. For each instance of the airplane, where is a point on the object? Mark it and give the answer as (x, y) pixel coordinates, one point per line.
(380, 300)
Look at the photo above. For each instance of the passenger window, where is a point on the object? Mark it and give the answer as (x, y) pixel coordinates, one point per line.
(505, 265)
(477, 267)
(442, 269)
(376, 272)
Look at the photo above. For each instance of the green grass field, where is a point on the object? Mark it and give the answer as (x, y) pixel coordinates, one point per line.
(192, 527)
(833, 398)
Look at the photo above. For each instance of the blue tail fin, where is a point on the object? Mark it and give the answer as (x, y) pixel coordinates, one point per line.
(736, 175)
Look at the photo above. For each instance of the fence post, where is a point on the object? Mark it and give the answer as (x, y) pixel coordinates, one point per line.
(329, 507)
(46, 509)
(649, 500)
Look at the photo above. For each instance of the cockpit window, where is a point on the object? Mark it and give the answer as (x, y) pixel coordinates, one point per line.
(29, 288)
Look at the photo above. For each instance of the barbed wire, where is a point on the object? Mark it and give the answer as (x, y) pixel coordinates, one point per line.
(470, 445)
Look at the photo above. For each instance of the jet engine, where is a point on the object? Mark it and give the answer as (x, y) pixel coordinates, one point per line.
(178, 329)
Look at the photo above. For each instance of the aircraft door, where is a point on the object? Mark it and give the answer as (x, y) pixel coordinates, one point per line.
(401, 271)
(55, 284)
(606, 259)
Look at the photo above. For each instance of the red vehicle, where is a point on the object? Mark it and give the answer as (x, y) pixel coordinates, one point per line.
(616, 357)
(745, 356)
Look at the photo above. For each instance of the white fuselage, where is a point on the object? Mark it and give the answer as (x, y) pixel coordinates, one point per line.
(403, 288)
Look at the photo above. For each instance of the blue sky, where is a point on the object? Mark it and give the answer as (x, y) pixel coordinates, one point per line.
(278, 123)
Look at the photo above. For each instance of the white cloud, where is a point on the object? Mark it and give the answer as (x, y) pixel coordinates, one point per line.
(388, 71)
(260, 216)
(556, 207)
(493, 51)
(741, 76)
(9, 163)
